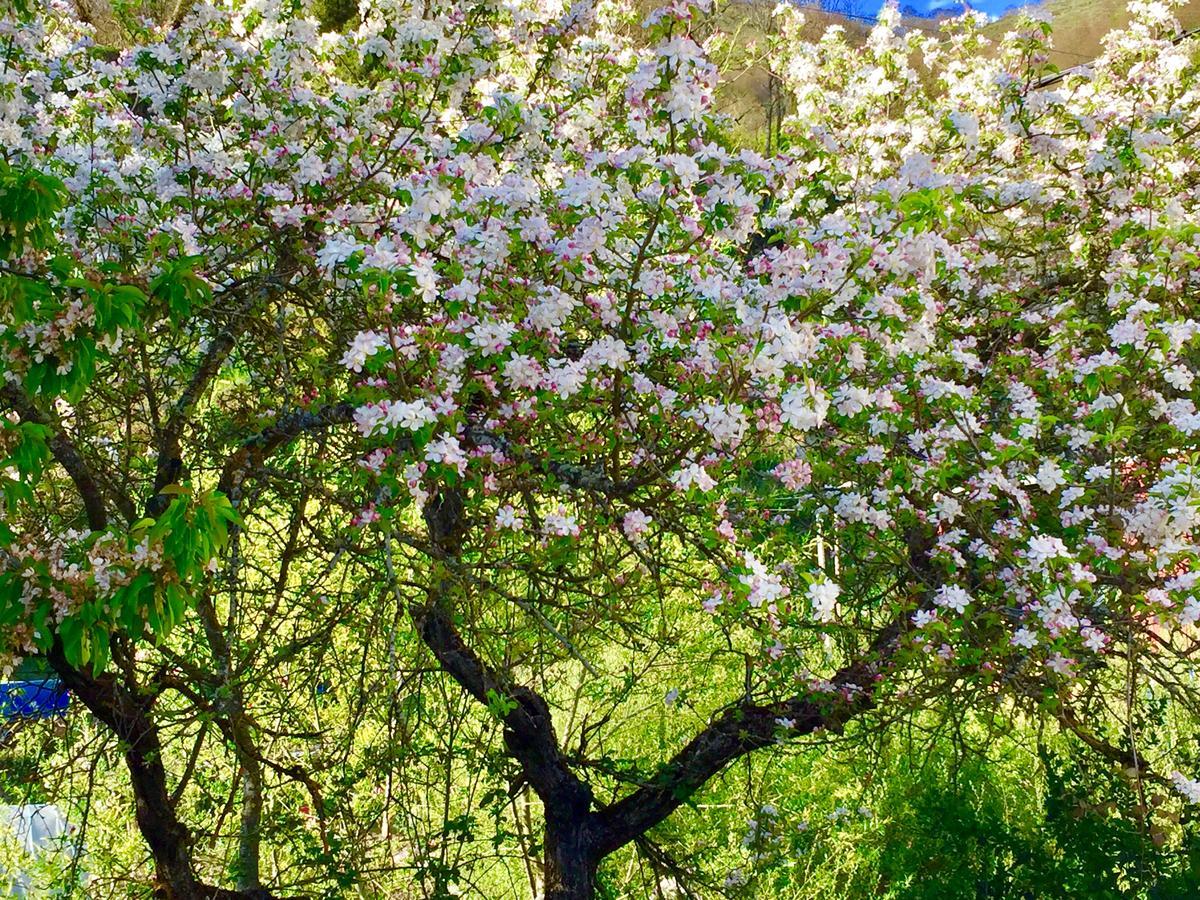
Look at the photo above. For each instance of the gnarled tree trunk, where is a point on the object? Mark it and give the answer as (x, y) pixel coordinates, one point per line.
(579, 836)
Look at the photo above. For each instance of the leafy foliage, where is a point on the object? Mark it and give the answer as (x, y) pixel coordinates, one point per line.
(439, 459)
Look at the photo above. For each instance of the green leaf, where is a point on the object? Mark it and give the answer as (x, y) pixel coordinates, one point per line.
(177, 603)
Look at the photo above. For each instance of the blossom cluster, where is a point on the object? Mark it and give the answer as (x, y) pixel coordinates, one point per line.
(948, 322)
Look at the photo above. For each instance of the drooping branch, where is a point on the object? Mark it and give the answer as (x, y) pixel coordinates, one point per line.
(570, 474)
(68, 456)
(169, 456)
(286, 428)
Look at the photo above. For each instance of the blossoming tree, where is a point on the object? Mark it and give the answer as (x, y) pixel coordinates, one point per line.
(901, 413)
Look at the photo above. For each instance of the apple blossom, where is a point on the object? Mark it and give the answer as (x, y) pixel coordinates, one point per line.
(934, 350)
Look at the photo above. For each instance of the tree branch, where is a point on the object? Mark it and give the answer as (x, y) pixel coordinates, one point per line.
(169, 462)
(528, 727)
(67, 455)
(1126, 759)
(748, 726)
(574, 476)
(739, 730)
(286, 428)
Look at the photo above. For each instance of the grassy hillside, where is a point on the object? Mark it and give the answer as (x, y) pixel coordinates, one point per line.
(1080, 25)
(747, 93)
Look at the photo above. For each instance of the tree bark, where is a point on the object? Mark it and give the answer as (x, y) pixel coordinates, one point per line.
(577, 836)
(128, 718)
(123, 709)
(571, 859)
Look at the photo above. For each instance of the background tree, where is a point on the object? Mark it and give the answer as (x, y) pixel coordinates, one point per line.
(398, 416)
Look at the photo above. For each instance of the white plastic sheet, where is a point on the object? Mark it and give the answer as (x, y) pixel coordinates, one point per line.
(39, 828)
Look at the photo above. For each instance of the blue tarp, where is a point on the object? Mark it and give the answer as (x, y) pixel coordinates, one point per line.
(39, 699)
(869, 9)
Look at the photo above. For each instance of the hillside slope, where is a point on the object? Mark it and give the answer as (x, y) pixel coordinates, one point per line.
(1080, 26)
(747, 93)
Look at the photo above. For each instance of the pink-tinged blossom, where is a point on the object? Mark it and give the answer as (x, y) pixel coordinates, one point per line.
(725, 423)
(364, 345)
(447, 451)
(509, 517)
(336, 250)
(367, 418)
(560, 523)
(365, 516)
(1043, 548)
(1191, 612)
(492, 337)
(523, 371)
(310, 170)
(712, 601)
(922, 618)
(1060, 665)
(764, 586)
(1094, 639)
(607, 352)
(410, 415)
(850, 400)
(426, 278)
(952, 597)
(794, 474)
(1049, 476)
(1179, 377)
(1024, 638)
(693, 475)
(373, 462)
(804, 407)
(635, 524)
